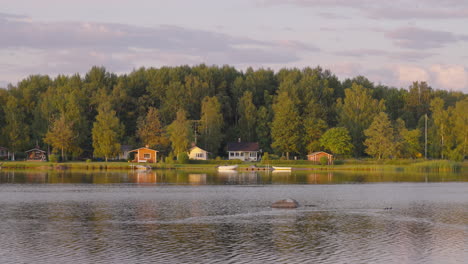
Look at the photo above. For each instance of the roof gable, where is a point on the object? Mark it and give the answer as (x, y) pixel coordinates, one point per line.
(136, 150)
(196, 147)
(318, 152)
(243, 146)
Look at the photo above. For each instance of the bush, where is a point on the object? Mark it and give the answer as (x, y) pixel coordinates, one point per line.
(265, 157)
(168, 160)
(323, 160)
(54, 158)
(338, 162)
(182, 158)
(88, 160)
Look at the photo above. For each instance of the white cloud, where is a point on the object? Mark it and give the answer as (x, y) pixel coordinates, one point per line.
(454, 77)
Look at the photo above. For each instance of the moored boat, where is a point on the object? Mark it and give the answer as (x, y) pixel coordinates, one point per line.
(228, 167)
(142, 167)
(282, 168)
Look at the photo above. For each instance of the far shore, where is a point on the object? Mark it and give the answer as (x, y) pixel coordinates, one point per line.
(357, 165)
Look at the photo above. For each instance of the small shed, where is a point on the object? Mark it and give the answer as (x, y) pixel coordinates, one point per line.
(145, 155)
(4, 153)
(36, 154)
(124, 151)
(197, 153)
(316, 156)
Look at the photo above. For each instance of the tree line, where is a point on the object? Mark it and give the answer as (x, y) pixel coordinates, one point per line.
(291, 112)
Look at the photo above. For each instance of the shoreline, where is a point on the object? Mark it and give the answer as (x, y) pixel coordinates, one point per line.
(433, 165)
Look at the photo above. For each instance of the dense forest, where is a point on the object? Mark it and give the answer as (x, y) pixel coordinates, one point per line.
(290, 112)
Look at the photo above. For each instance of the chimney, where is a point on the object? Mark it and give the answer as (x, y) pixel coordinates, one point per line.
(239, 140)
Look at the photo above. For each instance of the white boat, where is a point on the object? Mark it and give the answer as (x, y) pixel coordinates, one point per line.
(142, 167)
(282, 168)
(227, 167)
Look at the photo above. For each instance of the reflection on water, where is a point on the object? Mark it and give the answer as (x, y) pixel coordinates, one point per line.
(206, 217)
(223, 177)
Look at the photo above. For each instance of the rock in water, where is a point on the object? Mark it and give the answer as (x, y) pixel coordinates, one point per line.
(286, 203)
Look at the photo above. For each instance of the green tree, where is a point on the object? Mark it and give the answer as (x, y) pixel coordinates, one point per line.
(180, 133)
(247, 117)
(380, 140)
(356, 113)
(211, 124)
(337, 140)
(460, 128)
(285, 128)
(107, 132)
(313, 128)
(16, 130)
(61, 135)
(441, 117)
(150, 130)
(262, 128)
(407, 142)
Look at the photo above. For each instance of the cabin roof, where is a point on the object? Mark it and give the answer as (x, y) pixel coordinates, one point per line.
(243, 146)
(136, 150)
(35, 149)
(317, 152)
(194, 147)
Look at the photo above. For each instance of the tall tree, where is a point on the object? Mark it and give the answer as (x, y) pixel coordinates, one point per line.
(247, 117)
(286, 125)
(107, 132)
(211, 124)
(417, 103)
(180, 133)
(356, 113)
(380, 140)
(150, 130)
(262, 128)
(441, 117)
(337, 140)
(461, 128)
(407, 144)
(61, 135)
(16, 130)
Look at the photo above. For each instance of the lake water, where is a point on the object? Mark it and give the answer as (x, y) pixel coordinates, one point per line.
(197, 217)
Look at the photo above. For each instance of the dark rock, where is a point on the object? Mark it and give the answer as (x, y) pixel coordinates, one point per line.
(286, 203)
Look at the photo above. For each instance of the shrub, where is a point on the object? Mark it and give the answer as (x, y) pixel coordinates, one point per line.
(54, 158)
(265, 157)
(338, 162)
(182, 158)
(323, 160)
(168, 160)
(88, 160)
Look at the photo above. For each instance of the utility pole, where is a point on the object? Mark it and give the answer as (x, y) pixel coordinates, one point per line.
(425, 137)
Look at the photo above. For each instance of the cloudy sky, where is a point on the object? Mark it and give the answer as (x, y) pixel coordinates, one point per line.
(390, 42)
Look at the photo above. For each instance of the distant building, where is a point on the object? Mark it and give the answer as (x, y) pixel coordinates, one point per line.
(4, 153)
(196, 153)
(124, 151)
(145, 155)
(245, 151)
(316, 156)
(36, 154)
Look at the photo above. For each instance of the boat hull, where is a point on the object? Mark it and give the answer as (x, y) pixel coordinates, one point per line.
(228, 168)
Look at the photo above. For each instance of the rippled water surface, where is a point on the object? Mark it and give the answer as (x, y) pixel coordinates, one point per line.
(184, 217)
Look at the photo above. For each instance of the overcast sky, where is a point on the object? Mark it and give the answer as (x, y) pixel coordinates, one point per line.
(390, 42)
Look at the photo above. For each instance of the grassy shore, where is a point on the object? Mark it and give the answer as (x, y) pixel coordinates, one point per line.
(350, 165)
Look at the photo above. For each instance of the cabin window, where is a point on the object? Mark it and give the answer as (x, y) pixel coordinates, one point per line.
(231, 154)
(253, 154)
(199, 155)
(237, 154)
(147, 156)
(242, 154)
